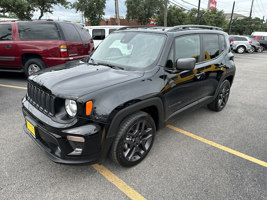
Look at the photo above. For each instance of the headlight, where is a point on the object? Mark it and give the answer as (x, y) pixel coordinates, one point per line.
(71, 107)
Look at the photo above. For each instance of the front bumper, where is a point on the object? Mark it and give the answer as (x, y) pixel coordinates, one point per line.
(53, 139)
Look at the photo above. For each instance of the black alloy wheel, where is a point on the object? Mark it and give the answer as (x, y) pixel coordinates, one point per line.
(220, 101)
(134, 140)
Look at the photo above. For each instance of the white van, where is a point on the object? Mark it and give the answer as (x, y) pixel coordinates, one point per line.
(99, 33)
(259, 33)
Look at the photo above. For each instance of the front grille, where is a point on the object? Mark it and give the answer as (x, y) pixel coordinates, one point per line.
(40, 99)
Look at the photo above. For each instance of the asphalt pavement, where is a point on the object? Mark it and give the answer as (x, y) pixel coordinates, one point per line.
(213, 155)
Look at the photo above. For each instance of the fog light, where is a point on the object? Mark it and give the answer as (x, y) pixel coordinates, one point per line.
(75, 138)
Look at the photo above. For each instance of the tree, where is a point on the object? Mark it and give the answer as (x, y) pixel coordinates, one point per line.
(24, 9)
(93, 10)
(239, 26)
(46, 6)
(213, 17)
(176, 16)
(21, 8)
(143, 10)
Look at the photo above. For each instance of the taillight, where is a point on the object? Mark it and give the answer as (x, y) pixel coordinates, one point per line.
(63, 51)
(250, 42)
(231, 42)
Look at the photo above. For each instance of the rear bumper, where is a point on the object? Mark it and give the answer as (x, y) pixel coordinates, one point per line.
(53, 140)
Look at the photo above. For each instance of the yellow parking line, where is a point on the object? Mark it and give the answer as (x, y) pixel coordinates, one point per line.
(251, 70)
(12, 86)
(130, 192)
(259, 162)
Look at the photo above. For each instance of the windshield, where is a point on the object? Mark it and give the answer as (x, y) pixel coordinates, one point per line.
(129, 50)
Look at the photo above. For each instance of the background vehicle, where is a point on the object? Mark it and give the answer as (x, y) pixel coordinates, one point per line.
(135, 81)
(240, 44)
(261, 37)
(99, 33)
(255, 45)
(30, 46)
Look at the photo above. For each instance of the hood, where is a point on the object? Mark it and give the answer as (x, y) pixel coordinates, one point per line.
(78, 79)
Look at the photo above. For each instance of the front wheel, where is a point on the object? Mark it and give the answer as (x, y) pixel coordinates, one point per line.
(134, 139)
(33, 65)
(260, 49)
(220, 101)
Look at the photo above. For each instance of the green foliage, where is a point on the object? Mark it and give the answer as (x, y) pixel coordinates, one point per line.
(46, 6)
(143, 10)
(93, 10)
(21, 8)
(240, 26)
(176, 16)
(24, 9)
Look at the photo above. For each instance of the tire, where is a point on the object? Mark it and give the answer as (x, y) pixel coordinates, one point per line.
(241, 49)
(134, 139)
(33, 65)
(260, 50)
(220, 101)
(252, 50)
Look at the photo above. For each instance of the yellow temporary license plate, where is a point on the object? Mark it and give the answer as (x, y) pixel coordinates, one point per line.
(30, 127)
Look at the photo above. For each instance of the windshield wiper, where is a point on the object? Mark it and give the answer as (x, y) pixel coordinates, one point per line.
(111, 66)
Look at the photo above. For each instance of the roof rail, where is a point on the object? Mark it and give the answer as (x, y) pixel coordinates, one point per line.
(182, 27)
(143, 27)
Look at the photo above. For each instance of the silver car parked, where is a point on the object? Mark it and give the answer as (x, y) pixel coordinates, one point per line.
(240, 44)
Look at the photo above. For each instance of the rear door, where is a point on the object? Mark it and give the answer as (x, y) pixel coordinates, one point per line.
(73, 40)
(87, 40)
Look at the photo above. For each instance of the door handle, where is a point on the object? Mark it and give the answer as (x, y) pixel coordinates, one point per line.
(8, 46)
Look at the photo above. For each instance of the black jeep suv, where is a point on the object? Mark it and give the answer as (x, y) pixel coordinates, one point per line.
(133, 82)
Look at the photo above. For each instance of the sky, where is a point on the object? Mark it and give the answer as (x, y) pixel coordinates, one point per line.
(241, 7)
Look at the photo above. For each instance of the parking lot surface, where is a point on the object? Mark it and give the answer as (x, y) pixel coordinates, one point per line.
(198, 155)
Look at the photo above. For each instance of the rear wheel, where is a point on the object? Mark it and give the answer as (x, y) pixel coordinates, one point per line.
(220, 101)
(241, 49)
(134, 139)
(33, 65)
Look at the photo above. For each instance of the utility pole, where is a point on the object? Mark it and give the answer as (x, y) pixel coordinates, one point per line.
(230, 23)
(262, 23)
(197, 22)
(208, 5)
(117, 12)
(250, 16)
(165, 12)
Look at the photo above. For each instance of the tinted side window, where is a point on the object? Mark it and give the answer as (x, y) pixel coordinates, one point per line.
(211, 46)
(222, 43)
(84, 33)
(70, 32)
(111, 30)
(5, 32)
(38, 31)
(98, 34)
(187, 47)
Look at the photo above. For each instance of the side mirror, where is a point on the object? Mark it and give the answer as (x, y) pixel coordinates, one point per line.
(185, 63)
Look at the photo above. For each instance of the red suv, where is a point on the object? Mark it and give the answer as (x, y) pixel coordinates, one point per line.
(30, 46)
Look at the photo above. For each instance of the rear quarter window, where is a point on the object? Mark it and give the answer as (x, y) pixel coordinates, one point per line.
(70, 32)
(5, 32)
(84, 33)
(38, 31)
